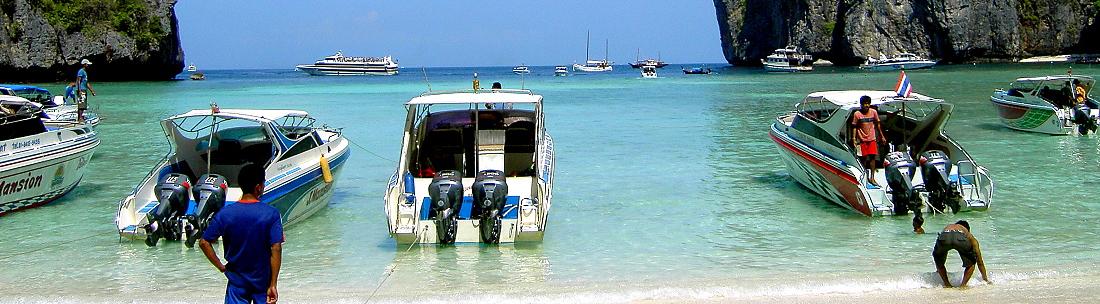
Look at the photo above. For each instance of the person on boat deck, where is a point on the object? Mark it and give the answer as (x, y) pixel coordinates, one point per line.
(477, 83)
(1079, 92)
(957, 236)
(252, 240)
(499, 105)
(866, 130)
(1067, 94)
(70, 93)
(82, 89)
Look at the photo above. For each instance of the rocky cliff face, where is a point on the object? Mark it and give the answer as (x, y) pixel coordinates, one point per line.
(40, 44)
(849, 31)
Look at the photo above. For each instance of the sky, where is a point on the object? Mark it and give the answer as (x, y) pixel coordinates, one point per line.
(253, 34)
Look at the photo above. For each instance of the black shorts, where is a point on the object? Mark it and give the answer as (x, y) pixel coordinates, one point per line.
(959, 242)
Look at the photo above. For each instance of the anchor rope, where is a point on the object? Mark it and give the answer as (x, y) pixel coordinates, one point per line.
(371, 152)
(53, 245)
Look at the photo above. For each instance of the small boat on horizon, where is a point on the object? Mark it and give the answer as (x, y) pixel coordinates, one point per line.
(928, 172)
(594, 65)
(39, 163)
(1048, 105)
(903, 61)
(337, 64)
(638, 63)
(192, 68)
(184, 191)
(521, 69)
(788, 59)
(561, 71)
(475, 167)
(198, 76)
(704, 70)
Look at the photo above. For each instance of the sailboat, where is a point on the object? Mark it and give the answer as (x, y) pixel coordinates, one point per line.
(593, 65)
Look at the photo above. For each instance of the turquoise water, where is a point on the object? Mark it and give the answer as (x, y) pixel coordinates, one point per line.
(666, 188)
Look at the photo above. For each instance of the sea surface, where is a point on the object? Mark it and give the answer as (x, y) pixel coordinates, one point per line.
(667, 190)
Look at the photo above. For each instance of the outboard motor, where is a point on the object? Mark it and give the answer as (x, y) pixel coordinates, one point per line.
(490, 193)
(1084, 121)
(173, 194)
(209, 196)
(899, 175)
(935, 168)
(446, 195)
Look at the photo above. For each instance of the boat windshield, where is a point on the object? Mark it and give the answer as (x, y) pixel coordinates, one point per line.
(235, 143)
(817, 108)
(463, 138)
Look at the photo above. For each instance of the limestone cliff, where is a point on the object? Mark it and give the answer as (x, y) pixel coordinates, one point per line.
(848, 31)
(44, 40)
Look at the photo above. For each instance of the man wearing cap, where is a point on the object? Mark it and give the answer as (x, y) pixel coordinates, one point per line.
(82, 89)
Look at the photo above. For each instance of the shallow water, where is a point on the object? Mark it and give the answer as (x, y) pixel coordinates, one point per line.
(666, 188)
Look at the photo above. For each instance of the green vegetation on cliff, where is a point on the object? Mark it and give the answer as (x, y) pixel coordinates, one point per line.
(129, 17)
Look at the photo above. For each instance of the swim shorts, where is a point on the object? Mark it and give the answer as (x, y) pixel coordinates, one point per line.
(868, 148)
(958, 241)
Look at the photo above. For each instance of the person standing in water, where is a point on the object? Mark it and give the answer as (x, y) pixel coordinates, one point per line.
(957, 236)
(866, 130)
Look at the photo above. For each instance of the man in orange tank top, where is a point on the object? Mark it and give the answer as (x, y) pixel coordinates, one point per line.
(866, 131)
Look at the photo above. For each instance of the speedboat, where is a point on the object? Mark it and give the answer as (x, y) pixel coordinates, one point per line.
(521, 69)
(58, 113)
(475, 167)
(198, 76)
(39, 163)
(649, 71)
(561, 70)
(924, 169)
(788, 59)
(593, 65)
(184, 191)
(903, 61)
(1047, 105)
(337, 64)
(696, 70)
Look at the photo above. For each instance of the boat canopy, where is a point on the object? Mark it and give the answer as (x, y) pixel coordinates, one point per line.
(1033, 82)
(483, 96)
(850, 99)
(262, 116)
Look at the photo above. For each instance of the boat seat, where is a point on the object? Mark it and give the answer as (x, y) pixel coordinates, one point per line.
(490, 150)
(227, 152)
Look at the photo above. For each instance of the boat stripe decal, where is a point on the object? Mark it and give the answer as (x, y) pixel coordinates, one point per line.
(35, 156)
(816, 161)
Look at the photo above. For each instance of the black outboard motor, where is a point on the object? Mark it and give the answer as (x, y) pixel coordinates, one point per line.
(446, 195)
(490, 193)
(209, 193)
(173, 194)
(935, 167)
(1084, 121)
(899, 175)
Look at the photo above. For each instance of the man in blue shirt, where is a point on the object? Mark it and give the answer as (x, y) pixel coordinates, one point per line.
(82, 89)
(252, 240)
(70, 93)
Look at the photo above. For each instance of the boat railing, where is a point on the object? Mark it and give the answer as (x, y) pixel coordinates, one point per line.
(514, 91)
(977, 176)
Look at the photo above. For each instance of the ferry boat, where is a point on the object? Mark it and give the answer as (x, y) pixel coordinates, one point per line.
(39, 163)
(593, 65)
(1047, 105)
(788, 59)
(209, 147)
(521, 69)
(903, 61)
(57, 112)
(649, 71)
(337, 64)
(561, 70)
(475, 167)
(929, 172)
(638, 63)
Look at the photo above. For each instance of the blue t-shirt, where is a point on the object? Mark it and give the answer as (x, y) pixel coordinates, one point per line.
(83, 75)
(70, 93)
(248, 230)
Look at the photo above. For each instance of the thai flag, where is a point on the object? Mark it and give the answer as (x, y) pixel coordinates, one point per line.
(904, 88)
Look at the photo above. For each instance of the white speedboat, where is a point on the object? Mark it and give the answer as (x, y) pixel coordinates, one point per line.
(337, 64)
(649, 71)
(930, 172)
(561, 70)
(1047, 105)
(470, 174)
(39, 163)
(788, 59)
(58, 113)
(209, 148)
(192, 68)
(521, 69)
(903, 61)
(593, 66)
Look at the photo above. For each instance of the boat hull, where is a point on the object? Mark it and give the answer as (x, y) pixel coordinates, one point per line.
(347, 71)
(29, 180)
(786, 68)
(825, 177)
(912, 65)
(1030, 117)
(589, 69)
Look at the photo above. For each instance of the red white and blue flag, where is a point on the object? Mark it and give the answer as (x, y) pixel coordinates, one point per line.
(904, 88)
